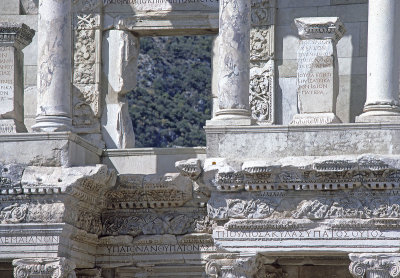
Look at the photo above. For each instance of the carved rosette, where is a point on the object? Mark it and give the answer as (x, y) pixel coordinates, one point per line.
(87, 60)
(372, 265)
(262, 60)
(44, 268)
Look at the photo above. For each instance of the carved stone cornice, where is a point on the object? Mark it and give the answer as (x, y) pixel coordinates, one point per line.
(373, 172)
(44, 268)
(154, 191)
(375, 265)
(17, 35)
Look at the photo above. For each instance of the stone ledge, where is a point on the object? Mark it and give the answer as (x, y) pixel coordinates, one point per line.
(149, 160)
(48, 149)
(261, 142)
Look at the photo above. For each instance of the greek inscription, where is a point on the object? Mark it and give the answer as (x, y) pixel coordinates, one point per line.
(28, 240)
(308, 234)
(158, 249)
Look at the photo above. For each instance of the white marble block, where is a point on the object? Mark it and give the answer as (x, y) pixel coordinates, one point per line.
(317, 72)
(13, 38)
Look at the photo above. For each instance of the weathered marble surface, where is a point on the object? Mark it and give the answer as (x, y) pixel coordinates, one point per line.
(54, 111)
(13, 38)
(120, 56)
(317, 72)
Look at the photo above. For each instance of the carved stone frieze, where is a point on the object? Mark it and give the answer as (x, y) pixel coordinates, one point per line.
(44, 268)
(375, 265)
(153, 223)
(354, 204)
(14, 213)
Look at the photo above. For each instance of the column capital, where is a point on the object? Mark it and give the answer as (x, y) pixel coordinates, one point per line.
(320, 28)
(44, 268)
(245, 267)
(17, 35)
(375, 265)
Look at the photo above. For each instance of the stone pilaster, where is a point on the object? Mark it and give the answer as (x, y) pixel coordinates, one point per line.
(233, 63)
(382, 104)
(44, 268)
(13, 38)
(120, 55)
(317, 72)
(370, 265)
(55, 66)
(245, 267)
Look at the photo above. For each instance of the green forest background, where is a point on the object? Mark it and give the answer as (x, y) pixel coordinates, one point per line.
(173, 98)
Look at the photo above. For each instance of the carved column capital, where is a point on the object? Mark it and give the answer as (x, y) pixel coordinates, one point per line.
(44, 268)
(370, 265)
(245, 267)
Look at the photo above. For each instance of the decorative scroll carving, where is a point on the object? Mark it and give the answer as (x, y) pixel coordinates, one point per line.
(87, 61)
(375, 265)
(262, 60)
(233, 268)
(355, 204)
(261, 92)
(156, 224)
(261, 46)
(44, 267)
(15, 213)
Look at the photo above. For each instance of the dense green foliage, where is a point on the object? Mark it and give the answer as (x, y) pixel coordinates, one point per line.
(173, 97)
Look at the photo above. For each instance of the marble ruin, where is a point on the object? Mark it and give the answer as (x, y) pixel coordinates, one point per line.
(300, 177)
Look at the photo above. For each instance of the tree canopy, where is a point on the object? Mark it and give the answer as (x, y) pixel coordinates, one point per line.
(173, 98)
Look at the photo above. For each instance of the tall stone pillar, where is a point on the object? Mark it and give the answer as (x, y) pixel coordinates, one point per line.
(233, 63)
(13, 38)
(375, 265)
(382, 104)
(215, 76)
(44, 268)
(55, 66)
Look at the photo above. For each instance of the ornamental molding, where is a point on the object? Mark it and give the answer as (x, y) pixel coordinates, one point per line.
(150, 191)
(375, 265)
(44, 268)
(375, 173)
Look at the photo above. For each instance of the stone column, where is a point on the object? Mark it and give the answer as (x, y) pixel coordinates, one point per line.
(382, 104)
(317, 71)
(44, 268)
(13, 38)
(215, 76)
(375, 265)
(54, 66)
(233, 63)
